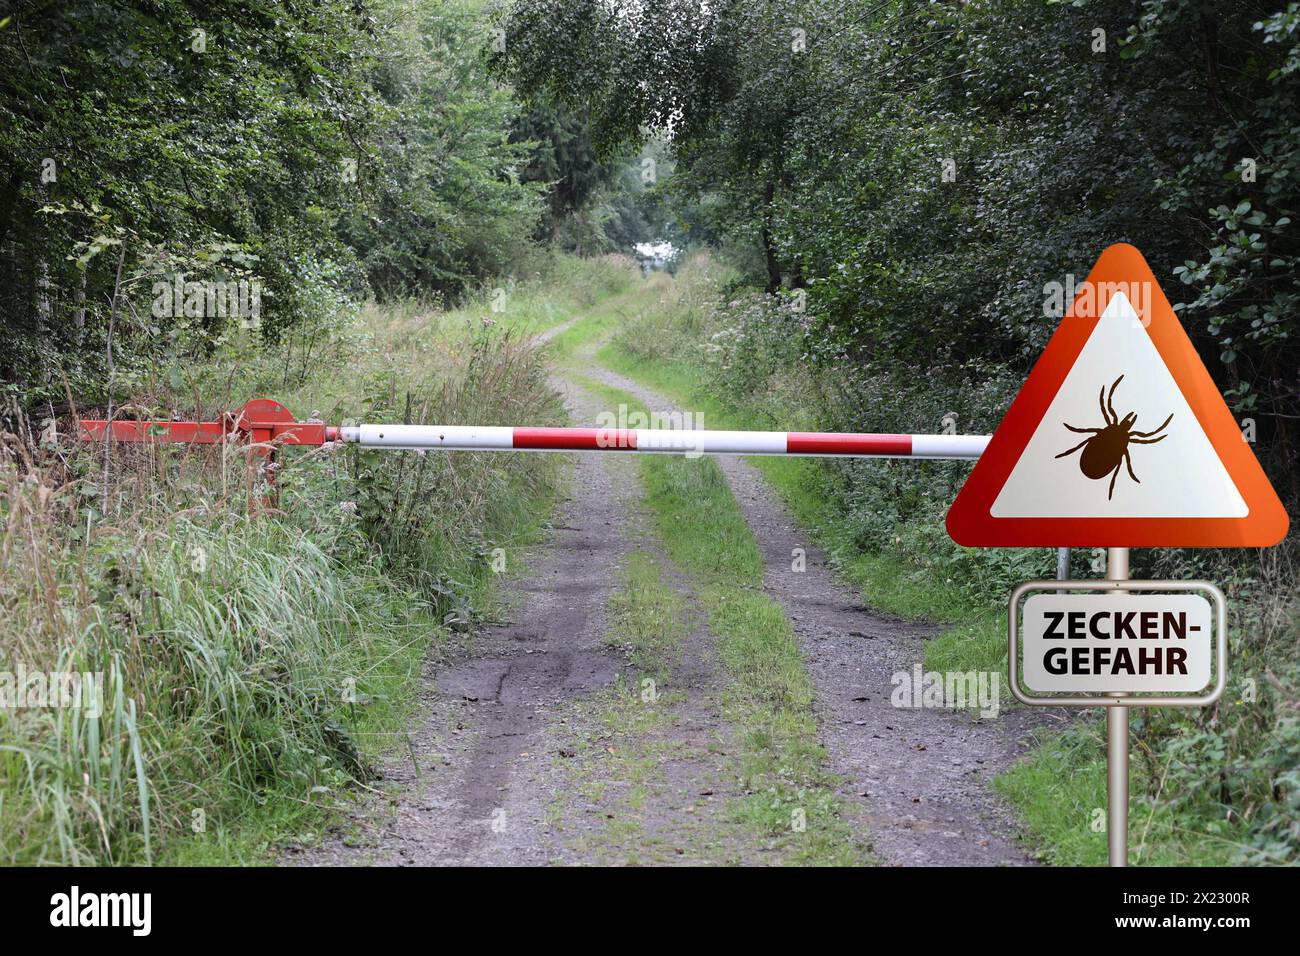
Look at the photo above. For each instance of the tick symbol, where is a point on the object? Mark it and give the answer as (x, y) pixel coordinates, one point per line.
(1106, 448)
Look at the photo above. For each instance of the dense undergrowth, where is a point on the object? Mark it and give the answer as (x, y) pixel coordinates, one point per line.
(1211, 785)
(250, 668)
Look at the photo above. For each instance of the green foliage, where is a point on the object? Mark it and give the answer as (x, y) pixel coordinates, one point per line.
(134, 136)
(594, 204)
(402, 501)
(446, 201)
(922, 171)
(564, 161)
(321, 151)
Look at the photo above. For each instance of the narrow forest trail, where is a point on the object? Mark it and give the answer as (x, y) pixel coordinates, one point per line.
(532, 743)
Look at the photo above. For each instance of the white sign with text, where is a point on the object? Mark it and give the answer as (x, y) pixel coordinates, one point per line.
(1120, 642)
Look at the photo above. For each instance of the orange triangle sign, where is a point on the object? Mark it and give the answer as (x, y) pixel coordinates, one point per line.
(1118, 438)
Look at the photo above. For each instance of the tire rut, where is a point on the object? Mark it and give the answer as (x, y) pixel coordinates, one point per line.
(472, 786)
(921, 777)
(489, 775)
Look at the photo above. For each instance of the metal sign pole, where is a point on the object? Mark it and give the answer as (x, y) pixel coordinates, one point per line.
(1062, 564)
(1117, 745)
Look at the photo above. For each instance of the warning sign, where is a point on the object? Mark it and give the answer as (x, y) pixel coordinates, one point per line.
(1117, 643)
(1118, 438)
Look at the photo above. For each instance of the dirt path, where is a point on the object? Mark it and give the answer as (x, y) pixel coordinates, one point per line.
(651, 782)
(920, 776)
(541, 338)
(528, 749)
(532, 745)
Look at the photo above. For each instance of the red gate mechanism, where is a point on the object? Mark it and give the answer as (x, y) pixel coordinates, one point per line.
(263, 423)
(266, 424)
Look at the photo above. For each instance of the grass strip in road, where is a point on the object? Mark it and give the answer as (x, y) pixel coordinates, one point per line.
(647, 618)
(657, 763)
(769, 695)
(976, 639)
(600, 318)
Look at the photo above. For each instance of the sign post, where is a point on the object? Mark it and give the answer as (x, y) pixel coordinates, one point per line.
(1117, 644)
(1117, 747)
(1118, 439)
(1117, 785)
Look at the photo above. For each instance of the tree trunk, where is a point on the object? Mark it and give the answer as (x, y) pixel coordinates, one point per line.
(8, 199)
(557, 213)
(796, 274)
(44, 316)
(79, 313)
(769, 254)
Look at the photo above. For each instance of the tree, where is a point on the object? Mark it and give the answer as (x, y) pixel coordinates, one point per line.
(925, 169)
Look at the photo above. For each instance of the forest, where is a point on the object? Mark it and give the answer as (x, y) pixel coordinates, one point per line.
(872, 207)
(920, 169)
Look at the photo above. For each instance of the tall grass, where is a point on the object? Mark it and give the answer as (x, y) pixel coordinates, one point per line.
(230, 652)
(246, 662)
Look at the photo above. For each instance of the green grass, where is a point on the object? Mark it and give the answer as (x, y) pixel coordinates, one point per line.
(769, 695)
(975, 641)
(243, 663)
(598, 320)
(634, 734)
(647, 617)
(595, 322)
(390, 631)
(1060, 793)
(618, 757)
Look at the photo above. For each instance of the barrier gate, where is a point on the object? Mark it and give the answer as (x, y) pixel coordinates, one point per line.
(266, 426)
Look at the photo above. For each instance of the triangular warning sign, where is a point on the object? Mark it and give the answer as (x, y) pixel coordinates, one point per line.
(1118, 438)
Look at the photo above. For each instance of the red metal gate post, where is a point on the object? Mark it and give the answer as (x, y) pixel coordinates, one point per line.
(264, 423)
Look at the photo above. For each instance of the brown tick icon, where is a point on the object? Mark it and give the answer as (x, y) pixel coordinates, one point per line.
(1106, 448)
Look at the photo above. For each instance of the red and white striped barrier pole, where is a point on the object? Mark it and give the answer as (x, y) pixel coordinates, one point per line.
(270, 424)
(696, 441)
(266, 425)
